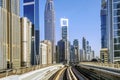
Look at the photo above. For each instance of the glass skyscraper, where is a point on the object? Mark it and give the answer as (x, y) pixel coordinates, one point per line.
(49, 21)
(84, 47)
(76, 50)
(64, 25)
(103, 24)
(114, 30)
(31, 11)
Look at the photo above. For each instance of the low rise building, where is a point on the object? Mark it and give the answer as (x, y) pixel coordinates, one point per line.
(104, 55)
(43, 54)
(49, 51)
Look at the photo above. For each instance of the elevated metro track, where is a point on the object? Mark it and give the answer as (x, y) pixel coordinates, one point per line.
(97, 74)
(68, 73)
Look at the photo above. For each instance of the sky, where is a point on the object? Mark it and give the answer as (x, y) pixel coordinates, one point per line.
(84, 20)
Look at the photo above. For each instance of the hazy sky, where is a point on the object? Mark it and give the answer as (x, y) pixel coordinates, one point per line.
(84, 20)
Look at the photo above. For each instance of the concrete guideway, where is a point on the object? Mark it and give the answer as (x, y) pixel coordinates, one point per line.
(71, 75)
(105, 69)
(59, 74)
(68, 73)
(47, 76)
(79, 75)
(34, 75)
(97, 73)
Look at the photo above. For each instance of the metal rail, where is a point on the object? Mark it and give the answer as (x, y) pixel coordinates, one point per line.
(58, 75)
(78, 74)
(68, 73)
(71, 74)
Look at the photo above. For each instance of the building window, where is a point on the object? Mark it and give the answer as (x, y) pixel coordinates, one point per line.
(116, 5)
(116, 26)
(116, 33)
(116, 19)
(116, 12)
(117, 54)
(29, 12)
(28, 1)
(116, 0)
(117, 47)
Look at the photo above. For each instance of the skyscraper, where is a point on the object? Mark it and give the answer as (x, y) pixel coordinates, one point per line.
(88, 52)
(113, 23)
(49, 19)
(84, 47)
(64, 25)
(103, 24)
(26, 37)
(10, 36)
(72, 55)
(64, 44)
(31, 11)
(76, 50)
(61, 51)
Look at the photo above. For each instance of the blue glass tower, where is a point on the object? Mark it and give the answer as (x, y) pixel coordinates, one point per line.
(113, 18)
(31, 11)
(103, 24)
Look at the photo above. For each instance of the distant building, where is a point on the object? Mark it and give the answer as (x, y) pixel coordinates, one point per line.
(64, 25)
(76, 50)
(49, 19)
(92, 55)
(84, 47)
(82, 55)
(72, 55)
(104, 55)
(65, 41)
(49, 51)
(63, 46)
(61, 51)
(88, 51)
(26, 29)
(43, 52)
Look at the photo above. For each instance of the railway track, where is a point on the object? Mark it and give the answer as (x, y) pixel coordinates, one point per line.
(95, 74)
(79, 75)
(87, 73)
(92, 74)
(68, 73)
(59, 75)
